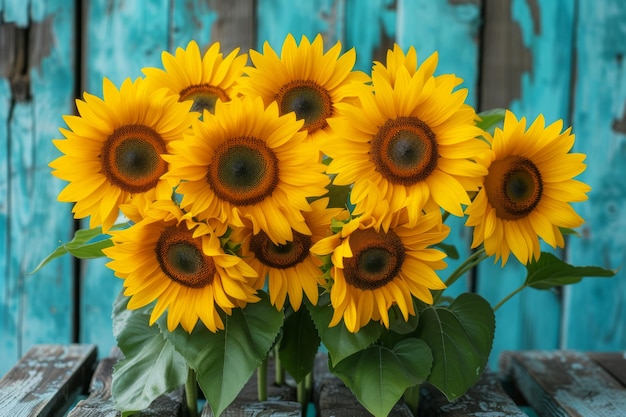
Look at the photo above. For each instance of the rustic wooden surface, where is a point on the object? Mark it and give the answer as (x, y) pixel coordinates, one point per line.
(486, 398)
(563, 58)
(566, 383)
(46, 379)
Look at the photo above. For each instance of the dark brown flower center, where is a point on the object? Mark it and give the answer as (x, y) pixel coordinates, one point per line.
(514, 187)
(280, 256)
(181, 258)
(377, 258)
(404, 150)
(244, 171)
(204, 97)
(131, 158)
(308, 100)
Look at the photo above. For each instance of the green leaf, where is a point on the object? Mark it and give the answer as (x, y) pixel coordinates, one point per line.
(550, 271)
(490, 119)
(378, 376)
(449, 250)
(338, 195)
(339, 341)
(460, 337)
(224, 361)
(150, 367)
(298, 345)
(86, 244)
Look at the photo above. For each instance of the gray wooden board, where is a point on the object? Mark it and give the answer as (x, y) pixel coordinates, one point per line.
(485, 399)
(45, 380)
(564, 383)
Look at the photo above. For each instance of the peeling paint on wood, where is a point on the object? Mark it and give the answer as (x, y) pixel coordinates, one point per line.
(486, 399)
(564, 383)
(505, 57)
(596, 308)
(45, 379)
(32, 100)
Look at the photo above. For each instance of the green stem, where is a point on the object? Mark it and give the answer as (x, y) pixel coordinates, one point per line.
(302, 394)
(471, 261)
(508, 297)
(279, 370)
(261, 379)
(412, 398)
(191, 393)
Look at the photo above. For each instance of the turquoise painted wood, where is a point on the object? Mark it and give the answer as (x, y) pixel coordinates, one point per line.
(563, 58)
(38, 91)
(596, 309)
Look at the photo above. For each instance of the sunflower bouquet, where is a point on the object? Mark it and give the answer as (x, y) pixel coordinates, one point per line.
(267, 209)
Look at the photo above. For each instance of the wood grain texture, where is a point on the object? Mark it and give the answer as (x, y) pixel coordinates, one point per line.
(370, 27)
(46, 379)
(564, 383)
(40, 88)
(485, 399)
(277, 18)
(595, 308)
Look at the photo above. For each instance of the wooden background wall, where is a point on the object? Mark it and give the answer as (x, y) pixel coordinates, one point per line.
(564, 58)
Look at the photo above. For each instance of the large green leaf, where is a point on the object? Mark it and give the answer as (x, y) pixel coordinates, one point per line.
(460, 337)
(549, 271)
(298, 345)
(86, 244)
(150, 367)
(379, 376)
(224, 361)
(339, 341)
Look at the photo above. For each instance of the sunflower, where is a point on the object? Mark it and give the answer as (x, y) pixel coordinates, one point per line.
(112, 150)
(169, 258)
(304, 80)
(414, 138)
(247, 162)
(528, 190)
(291, 269)
(396, 59)
(373, 269)
(204, 79)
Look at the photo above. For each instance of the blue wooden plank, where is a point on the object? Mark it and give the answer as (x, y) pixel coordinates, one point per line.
(39, 307)
(191, 21)
(16, 12)
(371, 28)
(531, 320)
(452, 28)
(595, 307)
(52, 83)
(8, 343)
(141, 33)
(277, 18)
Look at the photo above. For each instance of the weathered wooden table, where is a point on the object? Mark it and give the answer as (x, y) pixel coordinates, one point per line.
(69, 380)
